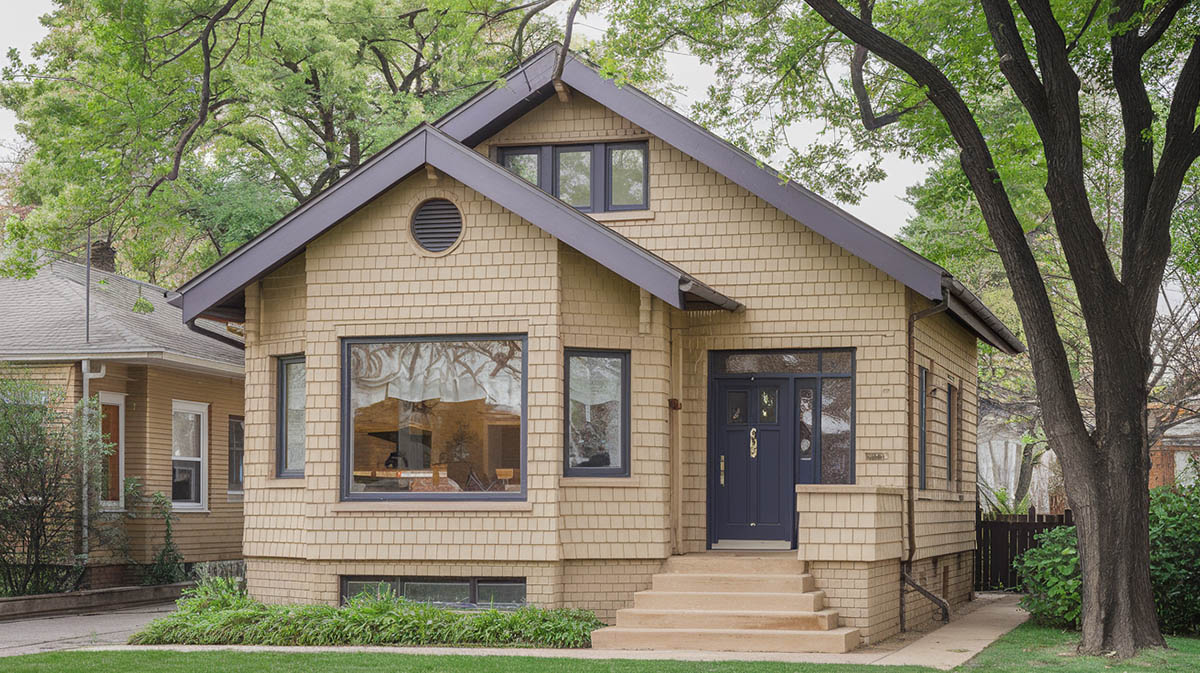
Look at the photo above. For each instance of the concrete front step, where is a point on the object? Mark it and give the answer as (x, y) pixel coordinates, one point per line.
(811, 601)
(725, 583)
(731, 563)
(822, 620)
(835, 641)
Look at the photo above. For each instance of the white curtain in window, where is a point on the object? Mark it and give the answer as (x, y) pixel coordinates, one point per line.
(450, 371)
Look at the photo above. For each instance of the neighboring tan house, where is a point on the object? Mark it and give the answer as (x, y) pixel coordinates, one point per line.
(1172, 457)
(170, 397)
(592, 374)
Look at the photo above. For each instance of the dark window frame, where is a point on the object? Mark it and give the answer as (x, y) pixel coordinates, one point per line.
(626, 415)
(922, 417)
(241, 484)
(395, 580)
(281, 365)
(601, 176)
(347, 430)
(609, 148)
(951, 421)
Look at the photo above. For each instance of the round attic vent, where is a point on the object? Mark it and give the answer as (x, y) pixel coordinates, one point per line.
(436, 225)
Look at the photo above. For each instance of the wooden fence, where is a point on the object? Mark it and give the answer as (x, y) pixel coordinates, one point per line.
(1001, 539)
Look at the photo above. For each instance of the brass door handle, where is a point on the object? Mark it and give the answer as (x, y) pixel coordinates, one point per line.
(754, 442)
(722, 470)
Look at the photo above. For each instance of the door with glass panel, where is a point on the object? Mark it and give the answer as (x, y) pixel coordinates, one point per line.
(755, 488)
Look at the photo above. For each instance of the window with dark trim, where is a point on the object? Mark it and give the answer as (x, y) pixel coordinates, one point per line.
(503, 593)
(952, 421)
(237, 453)
(592, 177)
(922, 413)
(596, 439)
(433, 418)
(290, 399)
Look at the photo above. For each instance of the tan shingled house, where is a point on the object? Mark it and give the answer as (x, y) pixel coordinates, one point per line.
(170, 398)
(565, 347)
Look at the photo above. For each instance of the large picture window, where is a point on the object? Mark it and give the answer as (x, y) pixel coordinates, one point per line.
(597, 414)
(434, 418)
(189, 455)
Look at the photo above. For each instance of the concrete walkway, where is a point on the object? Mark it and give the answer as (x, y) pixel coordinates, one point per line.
(992, 616)
(69, 632)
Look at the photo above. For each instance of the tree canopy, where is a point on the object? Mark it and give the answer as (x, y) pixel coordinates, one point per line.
(177, 131)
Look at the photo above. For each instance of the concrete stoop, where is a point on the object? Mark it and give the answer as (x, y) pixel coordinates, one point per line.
(730, 602)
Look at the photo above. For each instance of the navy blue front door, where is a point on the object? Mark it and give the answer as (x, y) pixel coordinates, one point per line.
(755, 428)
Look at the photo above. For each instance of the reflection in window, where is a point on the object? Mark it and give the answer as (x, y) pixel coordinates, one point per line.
(436, 416)
(522, 164)
(627, 175)
(237, 453)
(574, 177)
(767, 411)
(292, 404)
(736, 406)
(597, 413)
(451, 592)
(836, 398)
(189, 421)
(804, 405)
(777, 362)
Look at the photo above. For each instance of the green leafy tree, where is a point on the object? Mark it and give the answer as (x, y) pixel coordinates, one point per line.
(176, 131)
(931, 80)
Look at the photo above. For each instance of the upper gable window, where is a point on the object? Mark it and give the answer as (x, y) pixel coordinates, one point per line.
(592, 177)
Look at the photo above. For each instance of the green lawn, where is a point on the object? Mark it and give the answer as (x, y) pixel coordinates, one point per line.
(1028, 648)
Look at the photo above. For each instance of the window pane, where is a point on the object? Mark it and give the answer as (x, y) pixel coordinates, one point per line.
(237, 452)
(767, 400)
(523, 165)
(436, 416)
(794, 362)
(110, 427)
(628, 175)
(595, 433)
(185, 481)
(294, 401)
(575, 177)
(446, 592)
(376, 587)
(735, 406)
(185, 434)
(836, 397)
(804, 405)
(835, 363)
(500, 593)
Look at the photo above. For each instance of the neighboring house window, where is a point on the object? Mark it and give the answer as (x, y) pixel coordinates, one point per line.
(592, 177)
(433, 418)
(237, 453)
(597, 414)
(291, 404)
(112, 472)
(454, 592)
(922, 409)
(189, 455)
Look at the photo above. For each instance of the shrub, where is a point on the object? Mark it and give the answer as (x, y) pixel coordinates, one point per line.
(167, 566)
(219, 612)
(1050, 572)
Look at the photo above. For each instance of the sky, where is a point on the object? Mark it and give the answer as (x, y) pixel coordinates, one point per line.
(883, 207)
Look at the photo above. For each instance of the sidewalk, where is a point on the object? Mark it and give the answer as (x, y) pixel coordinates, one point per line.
(69, 632)
(943, 648)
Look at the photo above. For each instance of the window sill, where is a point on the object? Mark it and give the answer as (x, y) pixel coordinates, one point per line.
(276, 482)
(598, 482)
(622, 215)
(431, 506)
(941, 496)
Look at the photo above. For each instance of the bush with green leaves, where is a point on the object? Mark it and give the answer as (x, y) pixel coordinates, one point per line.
(1051, 577)
(167, 566)
(219, 612)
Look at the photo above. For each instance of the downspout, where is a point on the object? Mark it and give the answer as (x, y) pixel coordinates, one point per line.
(906, 567)
(85, 366)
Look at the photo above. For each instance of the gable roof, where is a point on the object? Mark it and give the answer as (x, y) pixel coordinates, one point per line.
(218, 290)
(532, 84)
(44, 320)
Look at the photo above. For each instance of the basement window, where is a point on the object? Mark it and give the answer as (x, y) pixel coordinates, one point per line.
(501, 593)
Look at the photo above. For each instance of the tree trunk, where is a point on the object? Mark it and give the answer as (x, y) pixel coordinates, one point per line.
(1025, 476)
(1111, 502)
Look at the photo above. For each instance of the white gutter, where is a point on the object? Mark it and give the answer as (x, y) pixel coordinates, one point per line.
(135, 357)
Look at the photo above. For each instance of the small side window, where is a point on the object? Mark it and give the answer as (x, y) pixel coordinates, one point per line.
(237, 452)
(291, 404)
(922, 415)
(597, 414)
